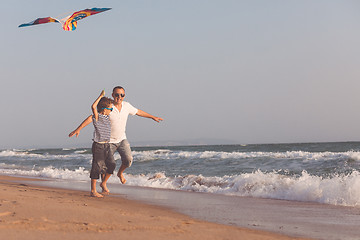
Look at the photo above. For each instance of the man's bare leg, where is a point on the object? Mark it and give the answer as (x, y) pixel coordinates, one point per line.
(105, 178)
(93, 192)
(120, 174)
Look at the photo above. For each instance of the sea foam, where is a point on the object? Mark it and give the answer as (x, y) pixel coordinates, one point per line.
(338, 186)
(307, 156)
(337, 190)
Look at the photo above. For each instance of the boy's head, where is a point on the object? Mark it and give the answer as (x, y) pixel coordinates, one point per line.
(103, 104)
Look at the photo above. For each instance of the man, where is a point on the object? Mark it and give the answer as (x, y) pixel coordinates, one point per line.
(118, 141)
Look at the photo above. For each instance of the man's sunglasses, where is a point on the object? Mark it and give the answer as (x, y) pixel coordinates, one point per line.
(108, 109)
(118, 95)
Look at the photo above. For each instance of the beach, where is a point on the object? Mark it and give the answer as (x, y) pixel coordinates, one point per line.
(307, 190)
(29, 211)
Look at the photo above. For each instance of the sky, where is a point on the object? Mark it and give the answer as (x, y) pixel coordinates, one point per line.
(218, 72)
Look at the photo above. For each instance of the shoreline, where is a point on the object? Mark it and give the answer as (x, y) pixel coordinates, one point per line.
(285, 217)
(29, 211)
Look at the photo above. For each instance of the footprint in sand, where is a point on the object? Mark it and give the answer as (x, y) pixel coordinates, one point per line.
(188, 222)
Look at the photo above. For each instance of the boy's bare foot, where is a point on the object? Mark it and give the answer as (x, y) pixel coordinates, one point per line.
(96, 194)
(105, 190)
(122, 179)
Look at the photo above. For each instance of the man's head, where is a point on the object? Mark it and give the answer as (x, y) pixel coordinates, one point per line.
(118, 94)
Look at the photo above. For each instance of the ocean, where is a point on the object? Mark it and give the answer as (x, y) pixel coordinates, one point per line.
(327, 173)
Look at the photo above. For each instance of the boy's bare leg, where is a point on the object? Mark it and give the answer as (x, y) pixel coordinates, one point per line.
(93, 192)
(105, 178)
(120, 174)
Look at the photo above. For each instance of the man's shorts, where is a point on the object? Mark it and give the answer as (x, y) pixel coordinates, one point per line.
(124, 150)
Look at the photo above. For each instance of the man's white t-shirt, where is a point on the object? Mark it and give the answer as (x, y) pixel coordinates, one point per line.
(118, 121)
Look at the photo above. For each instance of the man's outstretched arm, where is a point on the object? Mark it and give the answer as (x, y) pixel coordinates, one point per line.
(141, 113)
(81, 126)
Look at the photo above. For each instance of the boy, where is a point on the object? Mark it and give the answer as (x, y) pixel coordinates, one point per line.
(101, 109)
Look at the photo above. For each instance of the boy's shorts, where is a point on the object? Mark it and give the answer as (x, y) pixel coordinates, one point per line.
(100, 152)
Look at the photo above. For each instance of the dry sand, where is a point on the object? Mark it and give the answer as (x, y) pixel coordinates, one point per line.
(33, 212)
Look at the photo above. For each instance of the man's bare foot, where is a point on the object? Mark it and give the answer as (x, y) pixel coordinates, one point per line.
(122, 179)
(96, 194)
(105, 190)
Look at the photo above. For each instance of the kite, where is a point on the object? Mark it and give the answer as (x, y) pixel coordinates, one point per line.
(69, 23)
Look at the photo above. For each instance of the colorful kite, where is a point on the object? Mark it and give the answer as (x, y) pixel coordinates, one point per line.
(69, 23)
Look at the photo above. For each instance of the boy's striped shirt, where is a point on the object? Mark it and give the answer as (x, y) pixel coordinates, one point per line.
(102, 128)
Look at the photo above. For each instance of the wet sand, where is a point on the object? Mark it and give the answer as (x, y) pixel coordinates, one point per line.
(30, 211)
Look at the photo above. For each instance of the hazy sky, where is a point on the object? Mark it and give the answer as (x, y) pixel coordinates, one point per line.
(254, 71)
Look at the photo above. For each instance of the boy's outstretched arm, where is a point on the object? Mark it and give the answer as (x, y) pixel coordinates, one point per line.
(81, 126)
(94, 105)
